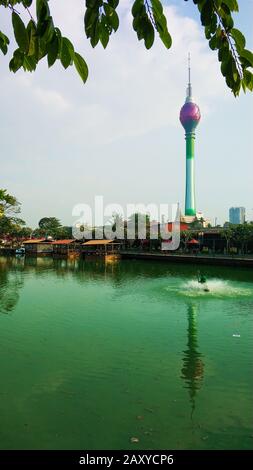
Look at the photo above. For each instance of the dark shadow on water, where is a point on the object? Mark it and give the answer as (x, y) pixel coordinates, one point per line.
(123, 268)
(11, 281)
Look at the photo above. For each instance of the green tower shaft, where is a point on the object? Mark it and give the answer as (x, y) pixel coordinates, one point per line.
(190, 205)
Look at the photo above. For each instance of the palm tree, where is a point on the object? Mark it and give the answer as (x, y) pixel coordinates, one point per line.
(243, 234)
(228, 234)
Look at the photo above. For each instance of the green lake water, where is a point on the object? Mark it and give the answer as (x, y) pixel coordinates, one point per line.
(94, 354)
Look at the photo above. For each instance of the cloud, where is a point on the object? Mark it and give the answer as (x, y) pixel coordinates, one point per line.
(130, 91)
(136, 91)
(51, 99)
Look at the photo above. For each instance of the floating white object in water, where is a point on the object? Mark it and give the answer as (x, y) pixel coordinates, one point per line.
(236, 336)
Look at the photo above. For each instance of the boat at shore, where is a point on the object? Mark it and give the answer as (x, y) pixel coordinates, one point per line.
(20, 251)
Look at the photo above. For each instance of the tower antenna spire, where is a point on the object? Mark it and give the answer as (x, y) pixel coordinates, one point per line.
(189, 68)
(189, 88)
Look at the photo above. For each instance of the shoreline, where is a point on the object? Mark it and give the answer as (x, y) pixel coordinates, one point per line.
(215, 260)
(212, 260)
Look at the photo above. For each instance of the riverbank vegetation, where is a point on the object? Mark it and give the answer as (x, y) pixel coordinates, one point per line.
(231, 239)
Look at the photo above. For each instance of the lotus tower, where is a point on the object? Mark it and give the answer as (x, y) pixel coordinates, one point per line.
(189, 118)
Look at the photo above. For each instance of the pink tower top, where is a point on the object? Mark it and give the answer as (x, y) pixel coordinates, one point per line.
(190, 112)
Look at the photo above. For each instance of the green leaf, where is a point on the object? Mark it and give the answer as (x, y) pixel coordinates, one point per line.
(223, 53)
(207, 13)
(16, 61)
(228, 22)
(226, 65)
(247, 55)
(93, 3)
(111, 16)
(81, 67)
(114, 21)
(53, 51)
(149, 35)
(248, 79)
(213, 43)
(164, 34)
(137, 26)
(235, 73)
(104, 37)
(244, 86)
(238, 37)
(161, 23)
(3, 47)
(4, 42)
(113, 3)
(223, 10)
(29, 64)
(42, 52)
(42, 10)
(221, 39)
(229, 82)
(66, 52)
(213, 24)
(33, 40)
(95, 34)
(58, 33)
(232, 4)
(20, 32)
(208, 33)
(104, 32)
(49, 30)
(4, 38)
(90, 19)
(27, 3)
(137, 7)
(157, 7)
(70, 47)
(166, 39)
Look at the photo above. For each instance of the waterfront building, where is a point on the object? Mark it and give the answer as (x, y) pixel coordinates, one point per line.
(66, 248)
(38, 247)
(101, 247)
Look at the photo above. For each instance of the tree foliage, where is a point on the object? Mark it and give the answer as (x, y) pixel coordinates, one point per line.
(37, 37)
(238, 235)
(9, 208)
(51, 226)
(9, 205)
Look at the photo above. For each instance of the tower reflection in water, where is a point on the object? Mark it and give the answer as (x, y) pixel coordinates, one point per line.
(193, 366)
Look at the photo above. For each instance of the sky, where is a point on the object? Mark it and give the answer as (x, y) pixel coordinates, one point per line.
(119, 135)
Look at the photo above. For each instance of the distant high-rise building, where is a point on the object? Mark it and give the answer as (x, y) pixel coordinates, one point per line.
(237, 215)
